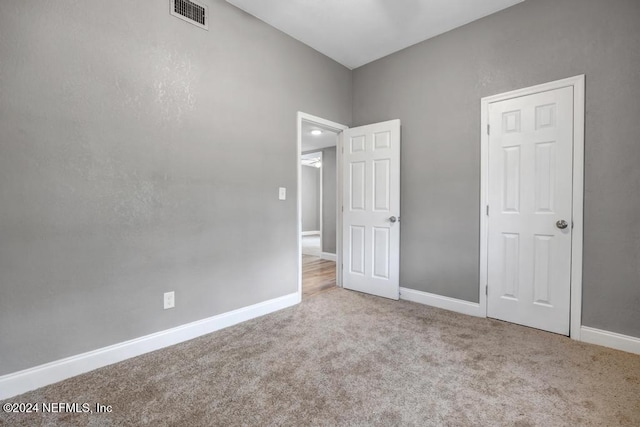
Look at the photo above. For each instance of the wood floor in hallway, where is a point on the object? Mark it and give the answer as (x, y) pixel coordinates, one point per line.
(317, 275)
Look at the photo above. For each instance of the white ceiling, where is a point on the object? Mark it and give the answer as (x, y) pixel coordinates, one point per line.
(313, 142)
(312, 159)
(356, 32)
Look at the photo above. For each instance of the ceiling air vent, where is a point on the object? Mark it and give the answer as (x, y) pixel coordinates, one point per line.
(191, 11)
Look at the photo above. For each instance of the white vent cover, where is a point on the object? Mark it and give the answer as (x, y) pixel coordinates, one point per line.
(191, 11)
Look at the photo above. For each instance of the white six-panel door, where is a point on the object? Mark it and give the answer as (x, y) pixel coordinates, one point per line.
(371, 209)
(530, 210)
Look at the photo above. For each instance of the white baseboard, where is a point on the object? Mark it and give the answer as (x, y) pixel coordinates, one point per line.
(310, 233)
(610, 339)
(453, 304)
(49, 373)
(328, 256)
(589, 335)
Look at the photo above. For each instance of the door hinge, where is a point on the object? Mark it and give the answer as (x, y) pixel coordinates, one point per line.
(487, 210)
(342, 208)
(486, 290)
(488, 129)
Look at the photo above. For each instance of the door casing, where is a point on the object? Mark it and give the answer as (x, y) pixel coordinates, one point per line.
(578, 84)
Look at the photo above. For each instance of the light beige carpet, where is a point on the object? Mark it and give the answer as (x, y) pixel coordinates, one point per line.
(343, 358)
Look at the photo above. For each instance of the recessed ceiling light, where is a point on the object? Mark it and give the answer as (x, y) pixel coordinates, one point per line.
(316, 132)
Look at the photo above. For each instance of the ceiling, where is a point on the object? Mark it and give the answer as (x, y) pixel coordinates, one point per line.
(312, 159)
(356, 32)
(316, 142)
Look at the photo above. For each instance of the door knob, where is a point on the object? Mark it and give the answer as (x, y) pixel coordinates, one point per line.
(562, 224)
(392, 219)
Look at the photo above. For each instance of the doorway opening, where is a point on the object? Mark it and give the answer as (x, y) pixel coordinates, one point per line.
(319, 184)
(312, 206)
(318, 272)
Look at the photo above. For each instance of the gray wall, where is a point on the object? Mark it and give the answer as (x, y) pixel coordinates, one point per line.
(329, 200)
(310, 198)
(140, 154)
(435, 89)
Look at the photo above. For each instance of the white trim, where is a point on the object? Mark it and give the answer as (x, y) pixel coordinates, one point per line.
(339, 209)
(578, 84)
(452, 304)
(337, 127)
(610, 339)
(320, 197)
(484, 201)
(49, 373)
(328, 256)
(578, 205)
(589, 335)
(310, 233)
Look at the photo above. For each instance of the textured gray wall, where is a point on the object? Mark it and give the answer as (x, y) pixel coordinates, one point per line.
(140, 154)
(310, 204)
(435, 89)
(329, 200)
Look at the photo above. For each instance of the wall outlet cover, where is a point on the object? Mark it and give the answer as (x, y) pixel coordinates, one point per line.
(169, 300)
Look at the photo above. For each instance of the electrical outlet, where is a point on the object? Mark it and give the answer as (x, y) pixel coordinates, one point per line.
(282, 193)
(169, 300)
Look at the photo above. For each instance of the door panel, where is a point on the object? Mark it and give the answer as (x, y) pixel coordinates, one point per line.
(356, 260)
(530, 189)
(371, 194)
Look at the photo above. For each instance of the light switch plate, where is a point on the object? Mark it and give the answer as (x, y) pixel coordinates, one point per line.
(282, 193)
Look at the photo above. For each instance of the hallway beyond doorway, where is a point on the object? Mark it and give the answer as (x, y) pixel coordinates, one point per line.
(317, 275)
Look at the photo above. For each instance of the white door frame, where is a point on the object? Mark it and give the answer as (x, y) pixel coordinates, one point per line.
(335, 127)
(578, 84)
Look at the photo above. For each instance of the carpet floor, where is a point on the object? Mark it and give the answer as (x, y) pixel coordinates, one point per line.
(344, 358)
